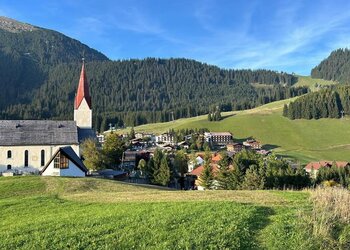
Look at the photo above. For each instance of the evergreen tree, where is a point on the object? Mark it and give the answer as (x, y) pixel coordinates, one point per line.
(285, 110)
(161, 174)
(252, 179)
(181, 166)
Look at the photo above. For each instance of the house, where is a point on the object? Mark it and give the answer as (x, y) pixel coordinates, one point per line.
(27, 144)
(64, 162)
(254, 144)
(313, 167)
(198, 161)
(196, 173)
(218, 138)
(215, 158)
(234, 147)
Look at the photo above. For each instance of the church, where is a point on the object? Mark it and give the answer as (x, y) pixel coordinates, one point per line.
(45, 146)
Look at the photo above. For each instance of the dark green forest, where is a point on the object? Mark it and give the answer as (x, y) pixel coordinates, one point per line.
(39, 73)
(326, 103)
(336, 67)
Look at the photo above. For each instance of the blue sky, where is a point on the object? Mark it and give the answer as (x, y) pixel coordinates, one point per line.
(291, 36)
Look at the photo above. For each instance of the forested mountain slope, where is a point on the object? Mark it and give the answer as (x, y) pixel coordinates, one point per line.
(336, 67)
(39, 71)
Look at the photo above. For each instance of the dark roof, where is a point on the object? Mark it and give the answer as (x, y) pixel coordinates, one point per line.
(86, 133)
(37, 132)
(71, 155)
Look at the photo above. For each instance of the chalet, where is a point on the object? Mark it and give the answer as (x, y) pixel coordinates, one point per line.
(313, 167)
(64, 162)
(218, 138)
(192, 165)
(253, 144)
(196, 173)
(235, 147)
(28, 144)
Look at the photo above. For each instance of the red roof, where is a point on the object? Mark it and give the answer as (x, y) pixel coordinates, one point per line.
(83, 90)
(216, 158)
(197, 171)
(317, 165)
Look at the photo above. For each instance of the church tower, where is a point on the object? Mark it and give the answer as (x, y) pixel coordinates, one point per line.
(82, 102)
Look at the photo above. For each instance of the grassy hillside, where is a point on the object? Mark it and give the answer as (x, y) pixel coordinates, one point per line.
(311, 82)
(52, 213)
(304, 140)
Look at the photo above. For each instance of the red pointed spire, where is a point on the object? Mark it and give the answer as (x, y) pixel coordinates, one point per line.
(83, 90)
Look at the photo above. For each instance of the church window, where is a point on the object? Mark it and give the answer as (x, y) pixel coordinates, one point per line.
(60, 161)
(9, 154)
(42, 157)
(26, 158)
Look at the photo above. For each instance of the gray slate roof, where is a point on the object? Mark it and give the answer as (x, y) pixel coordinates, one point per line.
(37, 132)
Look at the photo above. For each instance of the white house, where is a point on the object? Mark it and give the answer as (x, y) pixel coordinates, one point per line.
(65, 162)
(27, 144)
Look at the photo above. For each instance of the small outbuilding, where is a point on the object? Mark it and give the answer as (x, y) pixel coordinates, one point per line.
(65, 162)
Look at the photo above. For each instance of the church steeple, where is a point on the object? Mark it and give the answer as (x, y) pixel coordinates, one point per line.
(83, 89)
(82, 102)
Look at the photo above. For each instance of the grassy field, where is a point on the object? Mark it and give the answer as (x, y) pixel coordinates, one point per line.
(311, 82)
(60, 213)
(302, 140)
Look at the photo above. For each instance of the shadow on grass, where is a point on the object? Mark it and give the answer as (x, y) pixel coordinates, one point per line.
(257, 223)
(227, 116)
(270, 146)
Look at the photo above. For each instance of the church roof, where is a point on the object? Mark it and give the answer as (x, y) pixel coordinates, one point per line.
(37, 132)
(83, 90)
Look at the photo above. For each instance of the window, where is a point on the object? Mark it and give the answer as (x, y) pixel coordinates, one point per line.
(60, 161)
(9, 154)
(42, 157)
(8, 167)
(26, 158)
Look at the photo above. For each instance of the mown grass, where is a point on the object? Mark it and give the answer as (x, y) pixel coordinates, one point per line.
(60, 213)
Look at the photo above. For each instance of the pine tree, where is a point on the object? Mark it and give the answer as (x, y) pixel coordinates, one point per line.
(162, 174)
(206, 178)
(285, 110)
(252, 179)
(181, 166)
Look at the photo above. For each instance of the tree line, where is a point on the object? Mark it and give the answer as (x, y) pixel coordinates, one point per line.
(332, 102)
(335, 67)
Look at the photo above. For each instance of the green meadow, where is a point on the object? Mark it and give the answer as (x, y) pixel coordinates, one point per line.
(62, 213)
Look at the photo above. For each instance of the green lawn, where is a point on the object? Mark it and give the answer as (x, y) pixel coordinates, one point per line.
(61, 213)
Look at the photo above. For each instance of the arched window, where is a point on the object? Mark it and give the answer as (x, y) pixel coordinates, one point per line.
(9, 154)
(8, 167)
(42, 157)
(26, 158)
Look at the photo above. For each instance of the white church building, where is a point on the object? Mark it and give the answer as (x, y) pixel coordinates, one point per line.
(32, 145)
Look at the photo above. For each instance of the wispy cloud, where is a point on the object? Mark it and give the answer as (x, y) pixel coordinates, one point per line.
(291, 43)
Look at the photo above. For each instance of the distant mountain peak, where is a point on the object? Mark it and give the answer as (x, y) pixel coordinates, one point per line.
(14, 26)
